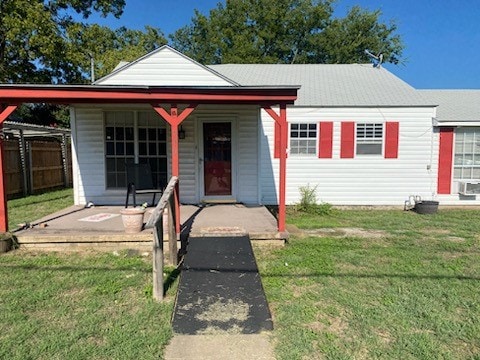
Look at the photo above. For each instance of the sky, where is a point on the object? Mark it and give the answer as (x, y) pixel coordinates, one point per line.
(441, 37)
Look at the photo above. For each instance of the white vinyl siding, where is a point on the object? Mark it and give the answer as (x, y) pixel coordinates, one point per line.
(89, 152)
(363, 180)
(164, 67)
(89, 149)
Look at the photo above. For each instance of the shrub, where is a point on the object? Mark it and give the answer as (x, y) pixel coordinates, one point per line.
(308, 201)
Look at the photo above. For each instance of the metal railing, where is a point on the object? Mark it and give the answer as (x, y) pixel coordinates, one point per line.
(167, 202)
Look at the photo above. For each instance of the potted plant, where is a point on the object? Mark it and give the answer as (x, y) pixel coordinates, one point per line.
(132, 218)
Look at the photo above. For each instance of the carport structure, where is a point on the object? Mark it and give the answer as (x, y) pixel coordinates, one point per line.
(173, 104)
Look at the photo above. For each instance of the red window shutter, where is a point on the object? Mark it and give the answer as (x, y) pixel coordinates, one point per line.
(445, 161)
(276, 141)
(391, 140)
(347, 145)
(325, 142)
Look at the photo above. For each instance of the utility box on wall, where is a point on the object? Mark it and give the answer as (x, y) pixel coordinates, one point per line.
(469, 187)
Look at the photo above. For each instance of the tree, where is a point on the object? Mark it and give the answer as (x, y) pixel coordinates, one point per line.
(108, 47)
(40, 42)
(33, 38)
(286, 31)
(345, 40)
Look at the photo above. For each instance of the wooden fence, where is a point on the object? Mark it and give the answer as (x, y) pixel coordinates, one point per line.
(36, 166)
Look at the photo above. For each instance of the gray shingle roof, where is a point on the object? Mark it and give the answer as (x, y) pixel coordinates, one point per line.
(455, 105)
(329, 85)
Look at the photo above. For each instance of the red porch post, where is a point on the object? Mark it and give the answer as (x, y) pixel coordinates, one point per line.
(4, 114)
(174, 119)
(281, 120)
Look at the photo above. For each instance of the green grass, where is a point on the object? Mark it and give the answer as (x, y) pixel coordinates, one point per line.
(78, 306)
(74, 306)
(34, 207)
(409, 289)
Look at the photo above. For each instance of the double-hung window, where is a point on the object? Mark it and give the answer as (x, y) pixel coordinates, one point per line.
(134, 137)
(369, 138)
(467, 154)
(303, 139)
(119, 146)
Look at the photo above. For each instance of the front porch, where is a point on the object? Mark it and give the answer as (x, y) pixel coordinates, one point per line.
(100, 228)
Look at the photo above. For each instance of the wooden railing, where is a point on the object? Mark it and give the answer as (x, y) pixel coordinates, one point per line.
(156, 221)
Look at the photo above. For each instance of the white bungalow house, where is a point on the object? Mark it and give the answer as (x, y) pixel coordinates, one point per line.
(359, 134)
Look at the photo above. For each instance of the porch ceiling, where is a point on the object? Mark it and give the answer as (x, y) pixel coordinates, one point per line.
(70, 94)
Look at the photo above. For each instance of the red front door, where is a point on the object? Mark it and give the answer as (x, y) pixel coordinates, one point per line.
(217, 155)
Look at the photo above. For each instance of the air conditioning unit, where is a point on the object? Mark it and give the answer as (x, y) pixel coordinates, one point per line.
(469, 187)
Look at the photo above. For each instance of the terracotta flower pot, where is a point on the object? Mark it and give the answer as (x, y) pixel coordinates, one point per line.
(132, 219)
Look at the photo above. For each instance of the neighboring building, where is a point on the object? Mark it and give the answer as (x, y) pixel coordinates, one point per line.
(359, 134)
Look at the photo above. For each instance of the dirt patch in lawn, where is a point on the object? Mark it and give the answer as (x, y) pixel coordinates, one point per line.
(374, 237)
(327, 323)
(347, 232)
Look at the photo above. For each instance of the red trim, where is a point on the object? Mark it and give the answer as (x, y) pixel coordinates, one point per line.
(174, 118)
(347, 141)
(99, 94)
(391, 140)
(3, 192)
(325, 142)
(276, 141)
(281, 120)
(4, 114)
(445, 161)
(58, 94)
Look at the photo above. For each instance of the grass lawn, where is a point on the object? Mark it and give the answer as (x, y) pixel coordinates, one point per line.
(78, 306)
(406, 288)
(34, 207)
(383, 285)
(56, 306)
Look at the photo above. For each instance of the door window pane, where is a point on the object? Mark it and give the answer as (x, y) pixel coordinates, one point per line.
(217, 155)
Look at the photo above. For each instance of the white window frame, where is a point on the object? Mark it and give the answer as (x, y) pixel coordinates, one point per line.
(131, 119)
(369, 134)
(303, 135)
(466, 163)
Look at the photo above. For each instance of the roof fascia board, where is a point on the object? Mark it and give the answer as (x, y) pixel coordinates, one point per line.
(364, 106)
(94, 94)
(465, 123)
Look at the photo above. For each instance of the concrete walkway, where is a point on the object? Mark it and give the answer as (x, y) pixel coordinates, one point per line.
(220, 347)
(236, 219)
